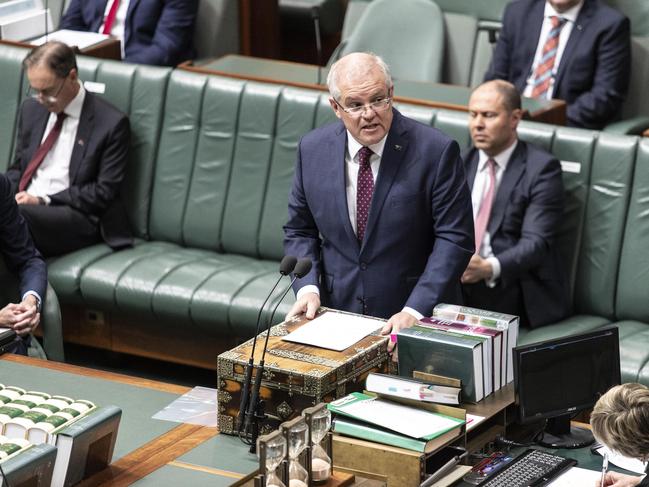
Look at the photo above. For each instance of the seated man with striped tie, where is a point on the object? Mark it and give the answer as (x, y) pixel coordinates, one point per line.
(71, 153)
(574, 50)
(517, 195)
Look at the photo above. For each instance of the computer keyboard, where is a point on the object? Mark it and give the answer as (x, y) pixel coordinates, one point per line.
(533, 468)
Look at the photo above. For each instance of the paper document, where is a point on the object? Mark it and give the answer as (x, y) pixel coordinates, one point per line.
(72, 38)
(473, 420)
(198, 406)
(630, 464)
(576, 476)
(416, 423)
(335, 331)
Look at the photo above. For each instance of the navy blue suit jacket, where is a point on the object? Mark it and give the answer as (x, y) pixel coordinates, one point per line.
(157, 32)
(524, 226)
(593, 76)
(16, 245)
(97, 164)
(419, 234)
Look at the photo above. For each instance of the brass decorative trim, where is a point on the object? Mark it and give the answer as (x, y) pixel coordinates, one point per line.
(308, 358)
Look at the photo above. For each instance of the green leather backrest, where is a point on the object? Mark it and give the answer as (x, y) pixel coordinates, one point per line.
(637, 11)
(574, 148)
(455, 125)
(461, 35)
(481, 54)
(637, 102)
(539, 134)
(295, 117)
(250, 167)
(11, 96)
(412, 40)
(139, 91)
(633, 279)
(481, 9)
(608, 199)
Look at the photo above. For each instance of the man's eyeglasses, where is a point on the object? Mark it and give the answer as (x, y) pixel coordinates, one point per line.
(48, 95)
(355, 110)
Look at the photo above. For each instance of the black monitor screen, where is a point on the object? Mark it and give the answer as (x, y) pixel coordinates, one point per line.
(565, 375)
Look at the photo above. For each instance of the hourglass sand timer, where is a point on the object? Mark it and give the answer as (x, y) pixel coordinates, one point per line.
(271, 449)
(319, 420)
(296, 433)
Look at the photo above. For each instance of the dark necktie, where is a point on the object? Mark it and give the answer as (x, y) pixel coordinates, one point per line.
(41, 152)
(110, 18)
(364, 190)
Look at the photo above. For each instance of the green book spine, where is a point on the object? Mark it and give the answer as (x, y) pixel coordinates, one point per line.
(364, 431)
(33, 466)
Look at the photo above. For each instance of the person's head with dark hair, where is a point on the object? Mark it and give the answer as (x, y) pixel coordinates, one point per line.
(52, 72)
(494, 114)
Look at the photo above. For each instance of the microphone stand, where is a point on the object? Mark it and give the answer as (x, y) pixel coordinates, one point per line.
(315, 13)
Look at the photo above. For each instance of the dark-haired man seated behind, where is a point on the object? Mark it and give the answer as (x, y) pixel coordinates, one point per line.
(71, 154)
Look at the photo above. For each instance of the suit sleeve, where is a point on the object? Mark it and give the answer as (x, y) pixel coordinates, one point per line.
(499, 68)
(96, 196)
(73, 18)
(17, 247)
(173, 35)
(454, 237)
(301, 235)
(541, 221)
(596, 107)
(22, 141)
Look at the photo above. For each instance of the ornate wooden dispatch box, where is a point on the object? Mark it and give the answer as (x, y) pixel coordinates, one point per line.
(296, 376)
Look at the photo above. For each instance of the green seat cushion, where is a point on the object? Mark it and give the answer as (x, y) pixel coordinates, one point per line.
(11, 91)
(569, 326)
(634, 351)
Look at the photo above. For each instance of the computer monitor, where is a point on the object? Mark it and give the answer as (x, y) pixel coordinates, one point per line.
(555, 379)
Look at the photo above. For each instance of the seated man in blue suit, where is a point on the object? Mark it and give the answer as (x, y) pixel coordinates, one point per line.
(380, 205)
(574, 50)
(155, 32)
(517, 194)
(20, 255)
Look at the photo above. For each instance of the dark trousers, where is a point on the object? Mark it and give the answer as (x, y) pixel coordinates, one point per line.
(59, 229)
(503, 299)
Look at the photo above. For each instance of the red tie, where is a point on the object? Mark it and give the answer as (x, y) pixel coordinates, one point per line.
(364, 190)
(543, 71)
(110, 18)
(482, 219)
(41, 152)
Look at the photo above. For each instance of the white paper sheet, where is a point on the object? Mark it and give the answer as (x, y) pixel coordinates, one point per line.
(473, 420)
(630, 464)
(335, 331)
(577, 477)
(416, 423)
(198, 406)
(72, 38)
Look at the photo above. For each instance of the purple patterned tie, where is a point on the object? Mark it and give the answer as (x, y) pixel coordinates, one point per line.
(364, 190)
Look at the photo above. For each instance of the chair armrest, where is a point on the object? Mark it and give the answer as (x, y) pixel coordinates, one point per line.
(629, 126)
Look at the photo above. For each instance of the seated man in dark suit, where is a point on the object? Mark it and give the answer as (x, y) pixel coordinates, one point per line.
(20, 255)
(517, 195)
(380, 205)
(71, 153)
(155, 32)
(574, 50)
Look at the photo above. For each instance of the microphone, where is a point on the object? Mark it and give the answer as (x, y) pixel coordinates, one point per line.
(315, 13)
(286, 266)
(47, 27)
(302, 268)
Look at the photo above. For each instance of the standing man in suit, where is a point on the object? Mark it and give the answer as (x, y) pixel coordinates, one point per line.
(20, 255)
(379, 203)
(574, 50)
(158, 32)
(517, 195)
(71, 153)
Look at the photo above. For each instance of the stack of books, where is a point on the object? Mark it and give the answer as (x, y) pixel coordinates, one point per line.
(400, 414)
(469, 344)
(72, 429)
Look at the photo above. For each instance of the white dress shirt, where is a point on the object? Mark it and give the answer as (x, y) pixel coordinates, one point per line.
(480, 187)
(352, 166)
(53, 175)
(120, 20)
(570, 16)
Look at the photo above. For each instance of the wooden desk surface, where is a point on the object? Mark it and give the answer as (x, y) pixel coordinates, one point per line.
(434, 95)
(108, 49)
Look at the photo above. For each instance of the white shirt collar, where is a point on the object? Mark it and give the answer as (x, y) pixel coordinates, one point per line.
(570, 14)
(353, 146)
(501, 159)
(73, 109)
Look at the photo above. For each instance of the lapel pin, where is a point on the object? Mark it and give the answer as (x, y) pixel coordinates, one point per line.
(398, 147)
(80, 142)
(578, 26)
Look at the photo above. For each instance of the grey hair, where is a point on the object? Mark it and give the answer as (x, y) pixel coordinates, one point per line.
(335, 71)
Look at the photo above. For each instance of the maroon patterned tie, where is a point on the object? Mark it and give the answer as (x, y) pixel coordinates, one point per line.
(41, 152)
(364, 190)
